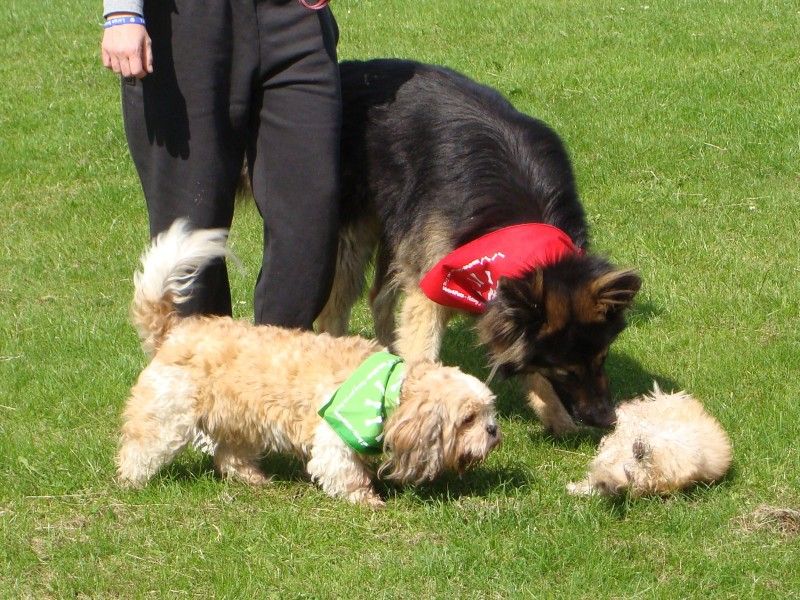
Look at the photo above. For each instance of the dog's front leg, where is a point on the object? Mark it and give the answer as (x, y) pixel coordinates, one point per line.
(338, 471)
(543, 399)
(422, 325)
(239, 463)
(581, 488)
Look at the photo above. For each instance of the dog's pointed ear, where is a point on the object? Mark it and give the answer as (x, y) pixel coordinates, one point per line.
(517, 310)
(523, 294)
(614, 291)
(520, 300)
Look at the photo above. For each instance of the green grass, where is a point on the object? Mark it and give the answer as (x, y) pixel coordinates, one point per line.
(681, 118)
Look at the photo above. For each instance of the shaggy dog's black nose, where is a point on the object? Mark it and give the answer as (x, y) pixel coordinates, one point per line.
(491, 430)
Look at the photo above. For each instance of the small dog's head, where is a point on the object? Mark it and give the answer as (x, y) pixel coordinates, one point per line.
(446, 420)
(559, 321)
(622, 466)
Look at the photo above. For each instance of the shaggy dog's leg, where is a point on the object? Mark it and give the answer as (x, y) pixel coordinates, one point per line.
(422, 326)
(158, 422)
(239, 463)
(356, 245)
(581, 488)
(337, 470)
(543, 399)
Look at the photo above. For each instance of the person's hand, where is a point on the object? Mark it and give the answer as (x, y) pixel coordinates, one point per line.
(127, 50)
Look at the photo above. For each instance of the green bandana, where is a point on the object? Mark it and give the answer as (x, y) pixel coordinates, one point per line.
(357, 410)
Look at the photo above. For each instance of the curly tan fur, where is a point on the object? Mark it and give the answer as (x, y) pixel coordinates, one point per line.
(168, 268)
(256, 389)
(663, 443)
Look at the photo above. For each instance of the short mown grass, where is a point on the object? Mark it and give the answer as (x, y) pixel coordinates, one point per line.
(681, 118)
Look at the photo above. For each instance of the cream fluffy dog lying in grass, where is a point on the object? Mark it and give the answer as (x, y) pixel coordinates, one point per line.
(662, 443)
(256, 389)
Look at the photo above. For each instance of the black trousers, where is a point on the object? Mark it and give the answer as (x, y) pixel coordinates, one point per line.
(234, 79)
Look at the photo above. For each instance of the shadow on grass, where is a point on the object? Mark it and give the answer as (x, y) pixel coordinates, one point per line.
(194, 466)
(480, 481)
(643, 311)
(572, 441)
(620, 506)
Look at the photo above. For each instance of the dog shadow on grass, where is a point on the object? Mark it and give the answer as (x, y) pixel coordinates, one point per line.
(621, 505)
(195, 465)
(477, 483)
(482, 481)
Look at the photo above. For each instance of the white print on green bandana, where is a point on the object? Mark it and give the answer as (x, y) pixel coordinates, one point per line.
(358, 409)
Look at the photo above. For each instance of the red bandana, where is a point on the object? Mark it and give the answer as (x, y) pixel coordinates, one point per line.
(467, 278)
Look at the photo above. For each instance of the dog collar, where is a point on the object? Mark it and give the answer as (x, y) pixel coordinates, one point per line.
(467, 278)
(358, 409)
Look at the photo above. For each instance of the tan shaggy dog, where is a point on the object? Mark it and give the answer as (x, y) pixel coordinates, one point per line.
(256, 389)
(662, 443)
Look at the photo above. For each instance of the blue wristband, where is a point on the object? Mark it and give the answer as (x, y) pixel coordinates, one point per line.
(129, 20)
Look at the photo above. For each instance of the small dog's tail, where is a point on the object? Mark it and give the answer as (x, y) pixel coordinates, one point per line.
(169, 267)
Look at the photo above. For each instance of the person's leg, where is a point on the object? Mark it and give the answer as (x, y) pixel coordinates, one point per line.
(295, 161)
(186, 122)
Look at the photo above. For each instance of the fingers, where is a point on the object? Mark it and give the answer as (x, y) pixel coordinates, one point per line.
(134, 67)
(126, 50)
(147, 57)
(115, 66)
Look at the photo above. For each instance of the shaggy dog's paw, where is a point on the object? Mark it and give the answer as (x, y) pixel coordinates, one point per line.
(374, 503)
(580, 488)
(368, 499)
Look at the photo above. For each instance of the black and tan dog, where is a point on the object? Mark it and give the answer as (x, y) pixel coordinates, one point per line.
(433, 161)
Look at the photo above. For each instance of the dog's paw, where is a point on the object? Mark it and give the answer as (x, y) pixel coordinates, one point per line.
(246, 473)
(581, 488)
(257, 478)
(127, 483)
(562, 426)
(367, 498)
(375, 503)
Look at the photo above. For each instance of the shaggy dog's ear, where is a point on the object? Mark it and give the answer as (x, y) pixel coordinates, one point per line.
(414, 438)
(614, 291)
(516, 310)
(641, 449)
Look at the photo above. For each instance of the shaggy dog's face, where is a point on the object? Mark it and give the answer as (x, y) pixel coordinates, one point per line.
(470, 425)
(559, 321)
(445, 421)
(622, 465)
(619, 466)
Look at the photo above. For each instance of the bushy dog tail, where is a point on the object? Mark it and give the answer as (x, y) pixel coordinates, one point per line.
(169, 267)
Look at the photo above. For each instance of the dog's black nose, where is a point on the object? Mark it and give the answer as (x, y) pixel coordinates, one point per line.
(491, 430)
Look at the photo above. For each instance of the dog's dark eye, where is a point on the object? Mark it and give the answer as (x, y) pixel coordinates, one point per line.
(469, 420)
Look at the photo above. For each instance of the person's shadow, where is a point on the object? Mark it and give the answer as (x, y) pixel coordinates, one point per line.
(158, 96)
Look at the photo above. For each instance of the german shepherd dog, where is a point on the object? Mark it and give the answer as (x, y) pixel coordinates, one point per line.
(432, 161)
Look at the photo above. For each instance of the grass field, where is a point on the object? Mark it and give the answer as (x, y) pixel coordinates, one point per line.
(682, 120)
